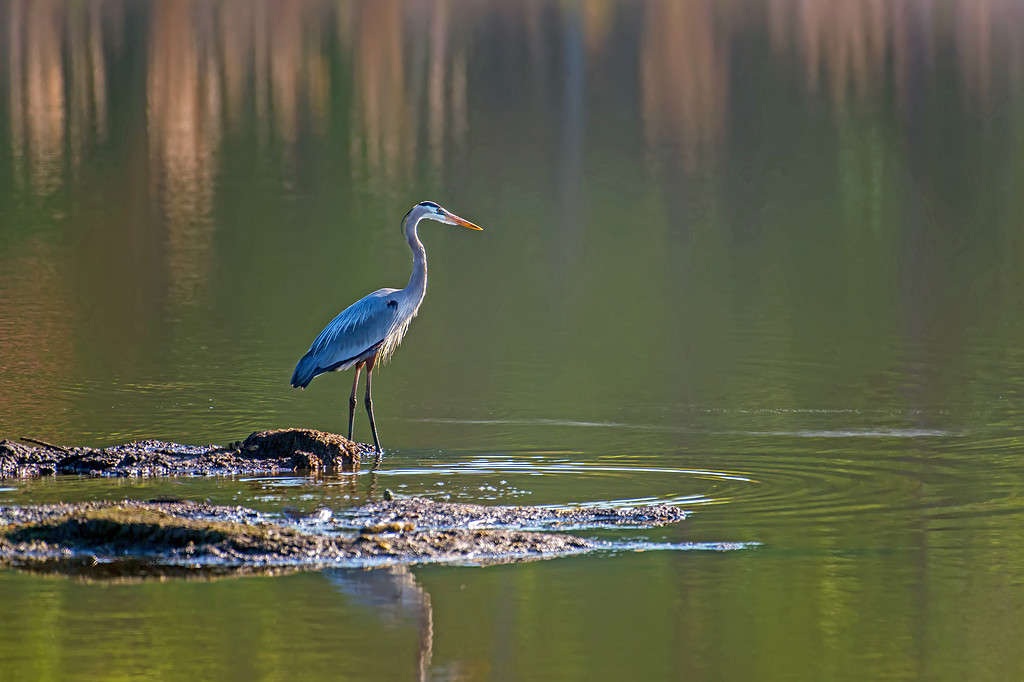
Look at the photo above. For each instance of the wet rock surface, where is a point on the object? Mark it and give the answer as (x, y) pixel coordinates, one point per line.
(308, 449)
(143, 536)
(440, 515)
(263, 452)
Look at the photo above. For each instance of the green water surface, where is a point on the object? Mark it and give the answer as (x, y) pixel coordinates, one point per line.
(759, 259)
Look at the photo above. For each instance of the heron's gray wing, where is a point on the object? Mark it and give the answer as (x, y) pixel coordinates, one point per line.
(357, 329)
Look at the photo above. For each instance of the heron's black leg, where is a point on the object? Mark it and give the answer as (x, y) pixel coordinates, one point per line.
(352, 401)
(369, 404)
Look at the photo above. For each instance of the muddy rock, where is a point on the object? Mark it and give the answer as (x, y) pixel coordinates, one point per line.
(186, 534)
(330, 450)
(306, 461)
(425, 513)
(263, 452)
(167, 536)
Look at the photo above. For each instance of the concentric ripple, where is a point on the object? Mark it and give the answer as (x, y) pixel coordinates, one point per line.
(779, 465)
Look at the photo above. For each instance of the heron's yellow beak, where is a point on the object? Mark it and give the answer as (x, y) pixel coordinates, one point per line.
(462, 221)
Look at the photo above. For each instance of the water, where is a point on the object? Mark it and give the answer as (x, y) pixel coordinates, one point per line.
(758, 259)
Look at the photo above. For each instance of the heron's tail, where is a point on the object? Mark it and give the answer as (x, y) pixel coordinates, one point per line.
(304, 371)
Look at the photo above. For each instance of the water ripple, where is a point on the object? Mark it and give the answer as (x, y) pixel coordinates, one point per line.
(856, 433)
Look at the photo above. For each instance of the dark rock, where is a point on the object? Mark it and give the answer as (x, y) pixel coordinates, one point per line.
(264, 452)
(305, 461)
(331, 449)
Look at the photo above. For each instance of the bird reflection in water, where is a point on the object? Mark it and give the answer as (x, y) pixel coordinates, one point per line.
(392, 594)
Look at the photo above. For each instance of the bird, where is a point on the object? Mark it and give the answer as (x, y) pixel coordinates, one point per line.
(368, 331)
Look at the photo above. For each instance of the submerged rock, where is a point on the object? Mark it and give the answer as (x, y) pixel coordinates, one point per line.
(263, 452)
(130, 535)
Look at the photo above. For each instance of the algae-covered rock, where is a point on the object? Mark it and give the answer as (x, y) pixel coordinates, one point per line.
(310, 448)
(263, 452)
(425, 513)
(168, 536)
(203, 535)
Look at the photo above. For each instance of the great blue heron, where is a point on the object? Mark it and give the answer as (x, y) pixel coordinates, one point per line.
(369, 330)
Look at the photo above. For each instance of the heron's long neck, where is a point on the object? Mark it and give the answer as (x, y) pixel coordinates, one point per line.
(418, 279)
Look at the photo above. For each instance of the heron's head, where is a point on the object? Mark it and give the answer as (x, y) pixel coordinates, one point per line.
(428, 210)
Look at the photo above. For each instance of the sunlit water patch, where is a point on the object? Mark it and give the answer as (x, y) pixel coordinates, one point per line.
(515, 478)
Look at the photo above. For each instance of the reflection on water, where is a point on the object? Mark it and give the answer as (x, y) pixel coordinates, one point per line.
(183, 117)
(684, 76)
(392, 595)
(209, 62)
(36, 90)
(374, 99)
